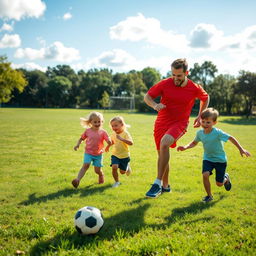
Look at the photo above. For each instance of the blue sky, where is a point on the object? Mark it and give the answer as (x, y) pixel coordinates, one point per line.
(125, 35)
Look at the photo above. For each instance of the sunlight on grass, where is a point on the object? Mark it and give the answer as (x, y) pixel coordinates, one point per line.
(38, 202)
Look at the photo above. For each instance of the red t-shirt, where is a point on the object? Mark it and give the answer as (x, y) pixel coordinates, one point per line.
(94, 141)
(178, 100)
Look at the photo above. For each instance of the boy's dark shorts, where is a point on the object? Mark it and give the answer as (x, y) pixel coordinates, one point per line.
(220, 168)
(121, 162)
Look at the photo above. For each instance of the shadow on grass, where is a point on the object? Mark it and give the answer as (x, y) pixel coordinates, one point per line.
(195, 208)
(87, 191)
(240, 121)
(117, 227)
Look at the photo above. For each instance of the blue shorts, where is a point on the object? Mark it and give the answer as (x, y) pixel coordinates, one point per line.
(96, 160)
(220, 168)
(121, 162)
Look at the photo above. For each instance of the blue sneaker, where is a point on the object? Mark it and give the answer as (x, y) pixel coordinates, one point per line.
(154, 191)
(168, 189)
(227, 184)
(207, 199)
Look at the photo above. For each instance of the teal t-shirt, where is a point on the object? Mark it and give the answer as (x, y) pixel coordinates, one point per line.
(213, 144)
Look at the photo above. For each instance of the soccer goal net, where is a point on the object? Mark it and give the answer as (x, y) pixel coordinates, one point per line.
(121, 102)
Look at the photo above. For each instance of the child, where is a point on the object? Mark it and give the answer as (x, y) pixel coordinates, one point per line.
(214, 154)
(94, 137)
(120, 158)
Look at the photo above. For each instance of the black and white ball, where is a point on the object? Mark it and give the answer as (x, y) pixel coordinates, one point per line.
(88, 220)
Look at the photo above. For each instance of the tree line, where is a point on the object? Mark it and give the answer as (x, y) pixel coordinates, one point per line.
(62, 87)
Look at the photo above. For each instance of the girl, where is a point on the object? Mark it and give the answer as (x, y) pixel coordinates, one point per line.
(121, 139)
(94, 137)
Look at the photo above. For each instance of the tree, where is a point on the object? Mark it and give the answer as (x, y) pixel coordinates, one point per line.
(35, 93)
(92, 87)
(246, 87)
(137, 83)
(105, 101)
(150, 76)
(203, 74)
(57, 92)
(69, 73)
(222, 95)
(10, 79)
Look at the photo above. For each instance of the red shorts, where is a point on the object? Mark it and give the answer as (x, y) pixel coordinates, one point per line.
(176, 130)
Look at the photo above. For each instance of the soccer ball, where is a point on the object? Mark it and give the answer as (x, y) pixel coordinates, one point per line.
(88, 220)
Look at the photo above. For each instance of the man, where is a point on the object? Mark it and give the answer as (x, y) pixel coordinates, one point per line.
(178, 94)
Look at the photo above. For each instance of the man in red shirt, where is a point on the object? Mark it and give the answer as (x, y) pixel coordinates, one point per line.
(178, 95)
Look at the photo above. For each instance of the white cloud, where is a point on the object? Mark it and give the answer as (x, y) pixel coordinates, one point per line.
(202, 37)
(248, 38)
(121, 61)
(6, 27)
(29, 53)
(29, 66)
(67, 16)
(57, 52)
(116, 58)
(18, 9)
(140, 28)
(10, 41)
(205, 36)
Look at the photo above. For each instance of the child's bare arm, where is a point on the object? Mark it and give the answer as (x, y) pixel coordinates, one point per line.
(110, 143)
(128, 142)
(76, 147)
(190, 145)
(239, 147)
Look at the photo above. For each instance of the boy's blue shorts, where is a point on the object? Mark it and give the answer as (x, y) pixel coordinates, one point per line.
(96, 160)
(220, 168)
(121, 162)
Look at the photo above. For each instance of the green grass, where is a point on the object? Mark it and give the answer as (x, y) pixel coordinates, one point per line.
(38, 203)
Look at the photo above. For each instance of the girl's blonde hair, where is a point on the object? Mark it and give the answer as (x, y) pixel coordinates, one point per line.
(86, 122)
(120, 119)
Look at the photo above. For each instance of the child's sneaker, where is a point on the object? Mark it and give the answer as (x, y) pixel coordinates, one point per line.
(129, 170)
(116, 184)
(227, 184)
(207, 199)
(75, 183)
(168, 189)
(154, 191)
(101, 179)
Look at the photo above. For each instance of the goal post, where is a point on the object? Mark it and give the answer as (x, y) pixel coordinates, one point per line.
(122, 102)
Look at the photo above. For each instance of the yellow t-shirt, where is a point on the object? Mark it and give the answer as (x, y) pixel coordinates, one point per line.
(121, 149)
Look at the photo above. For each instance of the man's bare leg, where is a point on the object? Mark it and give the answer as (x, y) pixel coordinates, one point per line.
(163, 166)
(164, 156)
(165, 179)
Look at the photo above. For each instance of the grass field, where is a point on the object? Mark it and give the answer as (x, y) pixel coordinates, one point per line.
(38, 203)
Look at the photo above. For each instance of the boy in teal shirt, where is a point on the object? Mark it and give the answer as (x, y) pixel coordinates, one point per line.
(214, 154)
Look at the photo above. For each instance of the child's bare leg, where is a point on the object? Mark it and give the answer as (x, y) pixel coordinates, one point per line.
(207, 184)
(115, 172)
(122, 171)
(99, 171)
(80, 174)
(82, 171)
(219, 184)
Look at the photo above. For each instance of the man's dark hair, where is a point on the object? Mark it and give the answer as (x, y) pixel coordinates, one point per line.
(180, 63)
